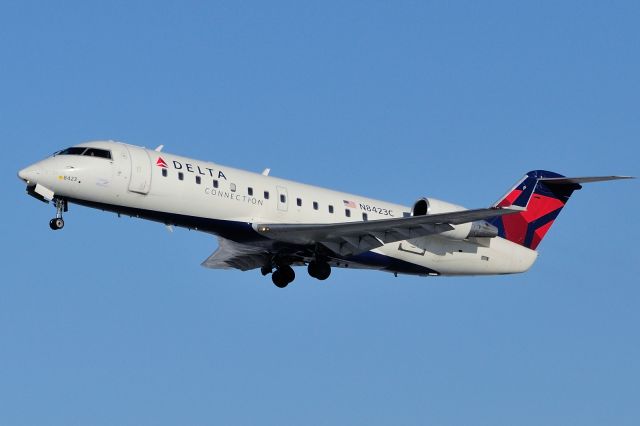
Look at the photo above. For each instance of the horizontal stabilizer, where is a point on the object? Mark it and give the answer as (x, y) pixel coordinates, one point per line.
(579, 180)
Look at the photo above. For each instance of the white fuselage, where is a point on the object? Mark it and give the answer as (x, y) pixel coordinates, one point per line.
(226, 201)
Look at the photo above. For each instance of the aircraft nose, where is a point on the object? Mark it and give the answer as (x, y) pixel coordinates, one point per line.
(29, 174)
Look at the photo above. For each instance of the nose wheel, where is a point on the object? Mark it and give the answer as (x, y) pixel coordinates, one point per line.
(57, 222)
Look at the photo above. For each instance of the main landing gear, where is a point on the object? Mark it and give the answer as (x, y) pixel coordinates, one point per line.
(57, 222)
(284, 274)
(319, 270)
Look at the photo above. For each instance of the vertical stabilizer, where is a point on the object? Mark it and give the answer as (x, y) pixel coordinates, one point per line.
(542, 201)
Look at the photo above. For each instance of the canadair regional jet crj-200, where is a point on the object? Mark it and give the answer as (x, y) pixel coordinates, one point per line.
(273, 224)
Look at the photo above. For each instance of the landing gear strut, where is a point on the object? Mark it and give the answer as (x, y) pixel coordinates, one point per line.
(282, 276)
(319, 270)
(57, 222)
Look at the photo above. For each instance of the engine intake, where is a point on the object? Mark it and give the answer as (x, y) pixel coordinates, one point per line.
(420, 207)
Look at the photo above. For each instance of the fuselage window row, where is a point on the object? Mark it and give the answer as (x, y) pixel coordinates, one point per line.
(250, 192)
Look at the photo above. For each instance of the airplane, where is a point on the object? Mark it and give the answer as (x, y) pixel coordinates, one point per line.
(272, 224)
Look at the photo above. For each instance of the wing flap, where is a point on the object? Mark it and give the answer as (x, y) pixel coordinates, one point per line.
(237, 256)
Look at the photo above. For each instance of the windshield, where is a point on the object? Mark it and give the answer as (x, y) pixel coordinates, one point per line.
(72, 151)
(89, 152)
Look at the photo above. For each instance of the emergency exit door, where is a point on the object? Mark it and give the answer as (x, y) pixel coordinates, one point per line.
(283, 199)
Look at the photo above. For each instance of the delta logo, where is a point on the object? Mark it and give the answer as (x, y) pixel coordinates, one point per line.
(192, 168)
(161, 163)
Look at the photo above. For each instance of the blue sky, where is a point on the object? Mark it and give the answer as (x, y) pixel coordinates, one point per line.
(113, 321)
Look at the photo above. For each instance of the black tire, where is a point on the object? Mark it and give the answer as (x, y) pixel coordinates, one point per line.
(323, 271)
(288, 273)
(319, 270)
(52, 224)
(279, 279)
(312, 268)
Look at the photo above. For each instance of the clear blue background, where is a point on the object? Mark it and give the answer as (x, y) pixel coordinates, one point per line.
(113, 321)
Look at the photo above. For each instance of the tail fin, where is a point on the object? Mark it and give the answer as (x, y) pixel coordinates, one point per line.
(541, 195)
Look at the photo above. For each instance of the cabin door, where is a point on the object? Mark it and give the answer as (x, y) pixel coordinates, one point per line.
(140, 180)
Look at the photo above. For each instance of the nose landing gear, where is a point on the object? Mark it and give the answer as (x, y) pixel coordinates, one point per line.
(57, 222)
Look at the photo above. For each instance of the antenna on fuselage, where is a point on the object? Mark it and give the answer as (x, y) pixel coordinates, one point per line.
(266, 172)
(159, 148)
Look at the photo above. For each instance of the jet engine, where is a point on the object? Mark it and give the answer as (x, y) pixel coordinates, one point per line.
(476, 229)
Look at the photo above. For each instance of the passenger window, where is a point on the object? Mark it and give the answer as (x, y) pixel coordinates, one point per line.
(164, 172)
(215, 183)
(365, 217)
(347, 212)
(232, 187)
(266, 195)
(180, 176)
(250, 191)
(331, 209)
(299, 202)
(315, 205)
(198, 180)
(283, 198)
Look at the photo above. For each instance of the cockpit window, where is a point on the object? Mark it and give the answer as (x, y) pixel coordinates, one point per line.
(89, 152)
(74, 150)
(96, 152)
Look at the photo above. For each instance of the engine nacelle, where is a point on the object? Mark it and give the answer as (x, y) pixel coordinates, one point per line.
(479, 228)
(426, 206)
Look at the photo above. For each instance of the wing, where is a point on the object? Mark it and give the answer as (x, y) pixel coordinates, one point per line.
(349, 238)
(235, 255)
